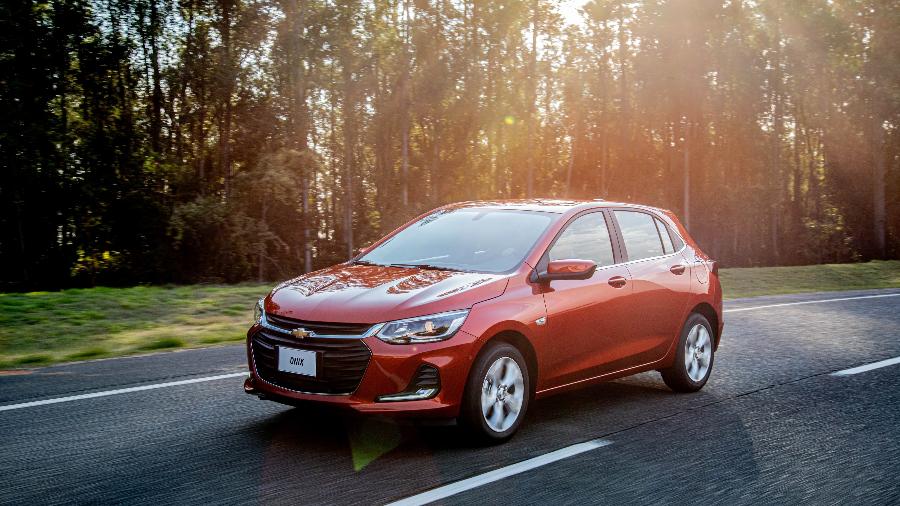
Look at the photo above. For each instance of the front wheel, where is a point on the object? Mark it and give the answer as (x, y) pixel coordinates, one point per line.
(693, 358)
(497, 394)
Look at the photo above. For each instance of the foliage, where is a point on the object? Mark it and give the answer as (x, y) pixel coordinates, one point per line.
(224, 140)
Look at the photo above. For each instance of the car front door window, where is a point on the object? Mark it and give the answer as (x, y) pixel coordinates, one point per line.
(585, 238)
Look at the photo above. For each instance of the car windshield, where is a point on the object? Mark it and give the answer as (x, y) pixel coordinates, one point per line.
(467, 239)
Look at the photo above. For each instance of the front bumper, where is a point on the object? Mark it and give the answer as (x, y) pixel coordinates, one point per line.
(390, 370)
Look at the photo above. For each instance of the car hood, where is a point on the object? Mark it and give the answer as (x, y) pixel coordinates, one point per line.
(356, 293)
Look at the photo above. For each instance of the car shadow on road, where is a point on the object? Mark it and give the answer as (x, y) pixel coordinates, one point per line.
(580, 414)
(322, 425)
(591, 411)
(343, 446)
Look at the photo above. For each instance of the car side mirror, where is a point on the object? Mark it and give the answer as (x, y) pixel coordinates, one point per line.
(565, 269)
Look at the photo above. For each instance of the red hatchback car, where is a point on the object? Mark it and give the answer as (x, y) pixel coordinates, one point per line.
(474, 309)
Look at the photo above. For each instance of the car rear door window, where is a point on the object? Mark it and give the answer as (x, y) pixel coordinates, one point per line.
(585, 238)
(639, 234)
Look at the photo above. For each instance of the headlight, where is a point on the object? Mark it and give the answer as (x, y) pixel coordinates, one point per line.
(424, 329)
(258, 311)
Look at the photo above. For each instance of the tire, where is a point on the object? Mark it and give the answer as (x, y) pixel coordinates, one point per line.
(498, 383)
(694, 356)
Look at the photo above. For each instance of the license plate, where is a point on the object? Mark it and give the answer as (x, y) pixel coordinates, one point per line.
(301, 362)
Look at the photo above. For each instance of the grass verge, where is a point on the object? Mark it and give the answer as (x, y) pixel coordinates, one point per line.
(755, 281)
(41, 328)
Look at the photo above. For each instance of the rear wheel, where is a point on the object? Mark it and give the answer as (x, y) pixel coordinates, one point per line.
(693, 358)
(497, 393)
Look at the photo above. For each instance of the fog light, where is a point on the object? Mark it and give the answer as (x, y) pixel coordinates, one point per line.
(426, 383)
(419, 395)
(248, 385)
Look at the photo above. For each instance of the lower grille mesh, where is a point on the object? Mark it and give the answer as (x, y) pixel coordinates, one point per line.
(340, 368)
(426, 377)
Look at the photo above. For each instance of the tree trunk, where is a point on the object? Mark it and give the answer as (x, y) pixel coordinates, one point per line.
(686, 199)
(625, 144)
(156, 95)
(183, 85)
(436, 175)
(225, 124)
(307, 240)
(776, 185)
(260, 270)
(404, 112)
(295, 11)
(532, 102)
(569, 167)
(878, 201)
(349, 133)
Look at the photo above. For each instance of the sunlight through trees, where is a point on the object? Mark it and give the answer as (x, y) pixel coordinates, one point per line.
(224, 140)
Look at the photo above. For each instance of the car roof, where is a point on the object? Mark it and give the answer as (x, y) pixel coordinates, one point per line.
(557, 206)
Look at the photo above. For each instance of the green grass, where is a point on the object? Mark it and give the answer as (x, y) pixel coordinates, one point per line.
(750, 282)
(41, 328)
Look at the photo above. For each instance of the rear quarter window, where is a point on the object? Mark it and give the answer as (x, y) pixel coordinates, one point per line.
(666, 238)
(676, 240)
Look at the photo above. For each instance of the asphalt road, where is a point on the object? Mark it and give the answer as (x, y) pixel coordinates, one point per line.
(772, 426)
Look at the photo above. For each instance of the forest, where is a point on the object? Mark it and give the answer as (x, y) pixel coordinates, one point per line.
(183, 141)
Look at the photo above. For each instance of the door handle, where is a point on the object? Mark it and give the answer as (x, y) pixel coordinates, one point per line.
(617, 281)
(677, 269)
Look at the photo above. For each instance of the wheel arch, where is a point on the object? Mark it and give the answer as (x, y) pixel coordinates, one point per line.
(521, 343)
(707, 311)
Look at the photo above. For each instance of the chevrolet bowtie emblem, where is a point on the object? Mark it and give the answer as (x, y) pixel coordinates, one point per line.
(301, 333)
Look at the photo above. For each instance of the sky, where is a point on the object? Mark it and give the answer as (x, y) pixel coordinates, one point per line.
(569, 10)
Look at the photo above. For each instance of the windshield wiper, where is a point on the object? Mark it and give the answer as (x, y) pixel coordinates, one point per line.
(428, 267)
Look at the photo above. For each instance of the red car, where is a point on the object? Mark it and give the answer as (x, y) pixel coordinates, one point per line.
(475, 309)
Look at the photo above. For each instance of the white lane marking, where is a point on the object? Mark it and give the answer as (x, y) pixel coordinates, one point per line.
(451, 489)
(234, 375)
(445, 491)
(106, 393)
(810, 302)
(867, 367)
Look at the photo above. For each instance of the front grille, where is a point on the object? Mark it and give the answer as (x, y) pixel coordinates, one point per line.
(321, 328)
(340, 368)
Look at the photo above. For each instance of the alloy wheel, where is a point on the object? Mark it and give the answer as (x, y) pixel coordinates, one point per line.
(502, 394)
(697, 352)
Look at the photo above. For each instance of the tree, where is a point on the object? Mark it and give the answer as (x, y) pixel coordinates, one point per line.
(199, 140)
